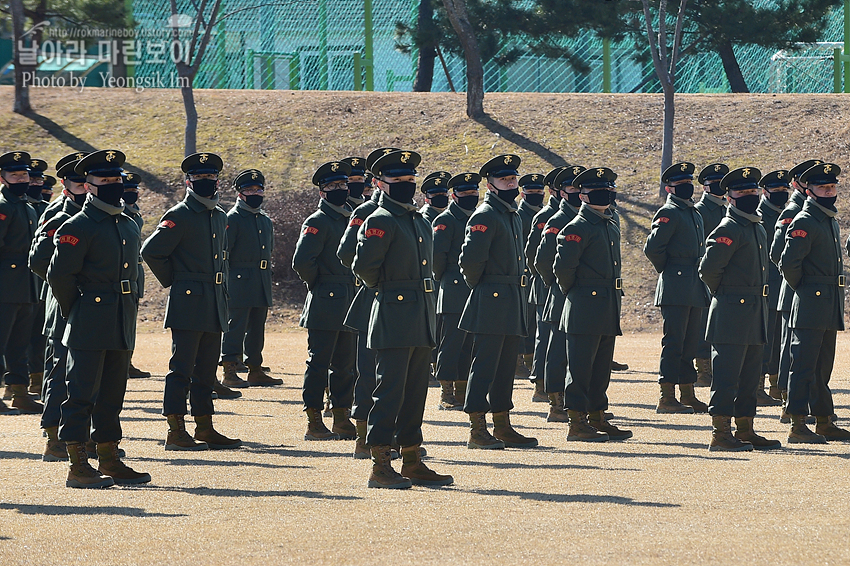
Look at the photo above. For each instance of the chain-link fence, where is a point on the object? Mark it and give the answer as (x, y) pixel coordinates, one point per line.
(351, 45)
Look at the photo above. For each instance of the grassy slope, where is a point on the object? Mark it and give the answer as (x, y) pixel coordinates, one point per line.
(288, 134)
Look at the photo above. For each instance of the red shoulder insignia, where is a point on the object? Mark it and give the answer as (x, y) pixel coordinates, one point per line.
(662, 219)
(374, 232)
(439, 227)
(311, 230)
(572, 238)
(166, 224)
(553, 230)
(356, 222)
(799, 234)
(2, 216)
(68, 239)
(541, 225)
(50, 233)
(724, 240)
(478, 228)
(787, 220)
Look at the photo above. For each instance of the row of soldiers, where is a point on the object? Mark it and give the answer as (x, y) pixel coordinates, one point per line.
(86, 245)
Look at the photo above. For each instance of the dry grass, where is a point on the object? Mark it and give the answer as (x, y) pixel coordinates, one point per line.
(659, 498)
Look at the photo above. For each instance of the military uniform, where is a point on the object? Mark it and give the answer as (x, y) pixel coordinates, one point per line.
(527, 211)
(37, 346)
(435, 188)
(331, 346)
(186, 253)
(355, 189)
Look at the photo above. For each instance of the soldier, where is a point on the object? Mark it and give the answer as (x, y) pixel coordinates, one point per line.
(587, 268)
(37, 346)
(17, 226)
(47, 189)
(536, 290)
(356, 181)
(394, 255)
(734, 268)
(496, 309)
(250, 240)
(555, 367)
(454, 352)
(674, 246)
(775, 186)
(186, 253)
(786, 294)
(436, 192)
(812, 266)
(532, 188)
(332, 348)
(712, 208)
(92, 275)
(131, 208)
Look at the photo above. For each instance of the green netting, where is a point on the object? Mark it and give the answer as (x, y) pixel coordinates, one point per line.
(321, 45)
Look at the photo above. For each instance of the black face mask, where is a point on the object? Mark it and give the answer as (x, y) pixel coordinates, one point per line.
(18, 189)
(469, 202)
(599, 197)
(130, 197)
(534, 199)
(779, 198)
(336, 198)
(34, 192)
(556, 195)
(509, 195)
(254, 201)
(110, 193)
(79, 199)
(205, 187)
(747, 203)
(826, 202)
(574, 199)
(714, 188)
(355, 190)
(440, 201)
(613, 197)
(685, 190)
(402, 191)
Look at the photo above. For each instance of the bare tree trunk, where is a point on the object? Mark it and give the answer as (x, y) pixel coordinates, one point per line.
(190, 138)
(730, 65)
(667, 135)
(456, 10)
(427, 53)
(22, 92)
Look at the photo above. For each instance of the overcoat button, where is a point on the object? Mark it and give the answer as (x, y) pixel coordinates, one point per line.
(97, 299)
(124, 242)
(817, 293)
(213, 235)
(742, 301)
(420, 239)
(401, 297)
(678, 273)
(455, 281)
(330, 294)
(239, 277)
(495, 294)
(215, 256)
(188, 291)
(14, 266)
(593, 293)
(424, 261)
(126, 265)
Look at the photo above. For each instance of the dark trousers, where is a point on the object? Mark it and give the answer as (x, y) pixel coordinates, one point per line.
(784, 350)
(735, 370)
(703, 350)
(399, 396)
(454, 354)
(365, 381)
(770, 358)
(246, 333)
(49, 348)
(331, 356)
(555, 369)
(191, 369)
(531, 317)
(541, 342)
(38, 342)
(491, 376)
(96, 381)
(589, 360)
(812, 358)
(683, 327)
(15, 330)
(54, 390)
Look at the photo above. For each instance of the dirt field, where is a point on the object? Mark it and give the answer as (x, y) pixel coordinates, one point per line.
(659, 498)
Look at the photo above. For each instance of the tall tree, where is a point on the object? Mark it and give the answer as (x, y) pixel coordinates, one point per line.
(459, 17)
(21, 104)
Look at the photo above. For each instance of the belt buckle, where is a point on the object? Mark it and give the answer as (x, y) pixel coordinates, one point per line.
(125, 287)
(764, 290)
(523, 281)
(264, 264)
(428, 285)
(841, 280)
(219, 277)
(618, 283)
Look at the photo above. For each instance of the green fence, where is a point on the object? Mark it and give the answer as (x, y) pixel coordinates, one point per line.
(350, 45)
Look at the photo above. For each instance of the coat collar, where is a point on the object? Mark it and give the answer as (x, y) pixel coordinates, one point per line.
(679, 202)
(12, 197)
(98, 210)
(459, 212)
(70, 206)
(198, 203)
(553, 202)
(818, 211)
(742, 217)
(493, 200)
(523, 205)
(765, 202)
(593, 215)
(565, 206)
(709, 198)
(798, 198)
(332, 210)
(395, 207)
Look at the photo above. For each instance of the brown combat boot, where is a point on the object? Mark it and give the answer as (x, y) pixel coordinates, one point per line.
(668, 403)
(762, 398)
(460, 392)
(801, 434)
(689, 398)
(581, 430)
(224, 392)
(316, 429)
(418, 473)
(135, 373)
(81, 474)
(522, 372)
(539, 395)
(617, 366)
(703, 366)
(722, 439)
(55, 451)
(259, 378)
(204, 432)
(448, 401)
(22, 401)
(361, 450)
(7, 393)
(774, 391)
(479, 436)
(744, 432)
(36, 380)
(7, 410)
(557, 412)
(784, 417)
(178, 438)
(826, 428)
(599, 421)
(383, 475)
(503, 430)
(110, 464)
(91, 450)
(231, 378)
(343, 426)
